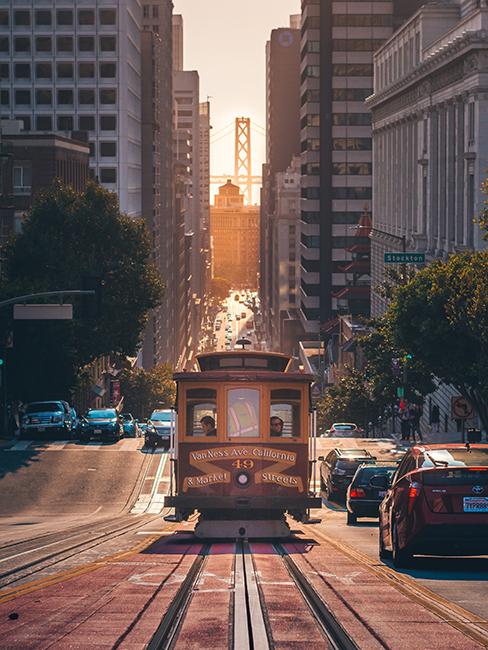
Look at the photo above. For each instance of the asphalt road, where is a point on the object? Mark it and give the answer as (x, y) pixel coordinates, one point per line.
(234, 308)
(463, 581)
(53, 488)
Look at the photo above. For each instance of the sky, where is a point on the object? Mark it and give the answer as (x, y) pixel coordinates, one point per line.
(225, 41)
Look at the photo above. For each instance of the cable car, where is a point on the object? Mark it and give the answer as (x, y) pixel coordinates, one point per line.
(242, 453)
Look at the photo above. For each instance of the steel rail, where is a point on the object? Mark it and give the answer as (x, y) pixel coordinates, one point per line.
(169, 627)
(337, 636)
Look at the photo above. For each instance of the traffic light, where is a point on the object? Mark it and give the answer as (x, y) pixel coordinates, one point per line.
(408, 357)
(395, 367)
(91, 305)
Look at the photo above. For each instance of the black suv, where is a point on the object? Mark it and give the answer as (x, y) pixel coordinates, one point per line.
(338, 468)
(363, 499)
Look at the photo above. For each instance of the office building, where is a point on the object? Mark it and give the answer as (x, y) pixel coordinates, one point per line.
(177, 42)
(73, 65)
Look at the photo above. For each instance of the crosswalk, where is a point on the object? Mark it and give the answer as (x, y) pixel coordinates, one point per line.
(129, 444)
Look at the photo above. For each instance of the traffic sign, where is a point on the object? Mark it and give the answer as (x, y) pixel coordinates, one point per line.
(461, 408)
(404, 258)
(400, 391)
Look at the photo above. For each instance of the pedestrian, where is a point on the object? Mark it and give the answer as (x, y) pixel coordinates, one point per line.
(415, 415)
(435, 418)
(405, 422)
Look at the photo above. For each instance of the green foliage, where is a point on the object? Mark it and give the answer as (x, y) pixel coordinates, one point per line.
(145, 390)
(441, 317)
(67, 236)
(347, 401)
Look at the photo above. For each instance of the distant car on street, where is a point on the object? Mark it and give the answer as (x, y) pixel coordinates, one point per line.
(131, 427)
(158, 431)
(436, 503)
(338, 468)
(50, 417)
(344, 430)
(362, 498)
(102, 424)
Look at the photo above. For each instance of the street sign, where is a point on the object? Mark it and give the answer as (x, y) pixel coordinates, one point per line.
(461, 408)
(404, 258)
(400, 391)
(43, 312)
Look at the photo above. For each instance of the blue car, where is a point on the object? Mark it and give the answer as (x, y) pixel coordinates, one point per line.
(102, 424)
(131, 428)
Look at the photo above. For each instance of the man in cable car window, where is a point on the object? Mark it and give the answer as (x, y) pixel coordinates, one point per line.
(208, 426)
(276, 427)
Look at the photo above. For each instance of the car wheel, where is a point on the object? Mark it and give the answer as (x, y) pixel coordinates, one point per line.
(402, 557)
(382, 552)
(351, 519)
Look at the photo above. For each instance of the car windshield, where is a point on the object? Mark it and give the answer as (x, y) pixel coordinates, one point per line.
(37, 407)
(365, 474)
(458, 457)
(106, 413)
(352, 463)
(161, 416)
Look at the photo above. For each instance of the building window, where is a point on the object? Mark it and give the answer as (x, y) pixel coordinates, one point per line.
(107, 16)
(108, 149)
(108, 70)
(64, 17)
(91, 145)
(44, 97)
(86, 44)
(4, 18)
(86, 70)
(22, 44)
(43, 17)
(4, 97)
(44, 44)
(471, 122)
(352, 70)
(108, 96)
(65, 97)
(351, 119)
(64, 43)
(44, 123)
(23, 97)
(351, 94)
(352, 169)
(108, 122)
(86, 123)
(65, 123)
(4, 44)
(351, 193)
(44, 71)
(108, 175)
(22, 71)
(352, 144)
(107, 43)
(4, 71)
(145, 11)
(86, 17)
(22, 178)
(22, 18)
(86, 96)
(26, 121)
(65, 71)
(362, 20)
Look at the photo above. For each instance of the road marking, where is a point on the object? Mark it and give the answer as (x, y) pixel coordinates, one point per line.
(150, 502)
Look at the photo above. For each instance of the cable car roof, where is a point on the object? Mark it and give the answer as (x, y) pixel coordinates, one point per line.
(244, 360)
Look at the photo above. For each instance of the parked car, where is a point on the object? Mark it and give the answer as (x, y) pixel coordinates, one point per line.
(437, 503)
(158, 432)
(362, 498)
(50, 417)
(344, 430)
(131, 428)
(102, 424)
(338, 468)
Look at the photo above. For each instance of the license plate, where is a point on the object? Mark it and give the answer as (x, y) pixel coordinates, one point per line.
(475, 504)
(97, 431)
(41, 429)
(381, 493)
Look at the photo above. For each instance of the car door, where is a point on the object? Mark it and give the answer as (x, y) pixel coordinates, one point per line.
(386, 505)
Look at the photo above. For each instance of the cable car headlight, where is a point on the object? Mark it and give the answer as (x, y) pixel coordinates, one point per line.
(243, 479)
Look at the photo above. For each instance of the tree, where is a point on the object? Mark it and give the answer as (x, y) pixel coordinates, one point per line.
(145, 390)
(66, 237)
(347, 401)
(441, 318)
(220, 288)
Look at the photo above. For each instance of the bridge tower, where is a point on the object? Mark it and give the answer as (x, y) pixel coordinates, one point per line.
(242, 161)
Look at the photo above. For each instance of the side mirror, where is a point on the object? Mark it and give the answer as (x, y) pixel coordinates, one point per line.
(381, 481)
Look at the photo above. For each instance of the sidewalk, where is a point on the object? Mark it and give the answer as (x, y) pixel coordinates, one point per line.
(436, 438)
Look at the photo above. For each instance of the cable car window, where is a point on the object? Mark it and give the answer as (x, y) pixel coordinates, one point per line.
(201, 412)
(243, 413)
(285, 413)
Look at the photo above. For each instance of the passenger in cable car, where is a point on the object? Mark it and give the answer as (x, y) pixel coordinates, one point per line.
(208, 425)
(276, 426)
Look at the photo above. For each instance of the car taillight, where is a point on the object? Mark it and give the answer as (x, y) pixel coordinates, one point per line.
(357, 493)
(413, 493)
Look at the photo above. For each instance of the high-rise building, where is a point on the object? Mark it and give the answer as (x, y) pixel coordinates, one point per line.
(157, 171)
(282, 143)
(74, 65)
(338, 42)
(205, 193)
(177, 42)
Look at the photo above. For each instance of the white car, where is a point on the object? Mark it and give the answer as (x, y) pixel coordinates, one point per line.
(344, 430)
